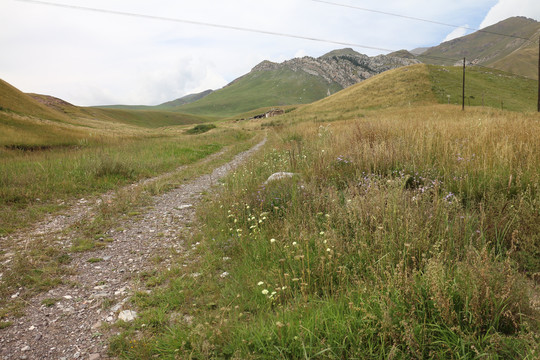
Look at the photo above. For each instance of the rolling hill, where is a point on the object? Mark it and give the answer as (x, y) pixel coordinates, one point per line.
(165, 106)
(188, 99)
(423, 84)
(33, 119)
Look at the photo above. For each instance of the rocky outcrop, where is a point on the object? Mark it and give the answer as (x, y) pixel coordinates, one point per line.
(345, 67)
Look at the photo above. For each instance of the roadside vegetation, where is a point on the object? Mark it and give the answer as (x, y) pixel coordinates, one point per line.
(50, 162)
(36, 180)
(409, 230)
(405, 233)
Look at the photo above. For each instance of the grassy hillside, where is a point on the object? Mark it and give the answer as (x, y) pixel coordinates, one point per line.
(165, 106)
(427, 84)
(184, 100)
(28, 120)
(488, 48)
(15, 101)
(262, 89)
(521, 61)
(146, 118)
(491, 88)
(394, 88)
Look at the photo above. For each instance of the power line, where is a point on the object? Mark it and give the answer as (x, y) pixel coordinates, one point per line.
(201, 23)
(417, 19)
(230, 27)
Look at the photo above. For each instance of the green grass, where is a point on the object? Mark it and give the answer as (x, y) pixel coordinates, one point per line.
(261, 89)
(407, 233)
(33, 182)
(68, 175)
(146, 118)
(484, 87)
(39, 120)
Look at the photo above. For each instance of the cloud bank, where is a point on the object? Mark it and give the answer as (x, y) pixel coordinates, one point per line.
(508, 8)
(92, 58)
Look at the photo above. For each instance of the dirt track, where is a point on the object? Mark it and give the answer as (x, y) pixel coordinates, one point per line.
(99, 289)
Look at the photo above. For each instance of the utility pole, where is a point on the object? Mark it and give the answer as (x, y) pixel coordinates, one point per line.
(539, 75)
(463, 94)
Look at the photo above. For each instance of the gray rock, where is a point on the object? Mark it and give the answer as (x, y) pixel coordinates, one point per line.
(279, 176)
(127, 315)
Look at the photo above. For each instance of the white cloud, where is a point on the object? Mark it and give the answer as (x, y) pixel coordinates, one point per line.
(459, 32)
(508, 8)
(90, 58)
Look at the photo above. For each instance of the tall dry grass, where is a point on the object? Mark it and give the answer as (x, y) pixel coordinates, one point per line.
(403, 234)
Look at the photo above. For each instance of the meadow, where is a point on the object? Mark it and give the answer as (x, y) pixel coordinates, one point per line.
(38, 180)
(405, 233)
(41, 180)
(410, 229)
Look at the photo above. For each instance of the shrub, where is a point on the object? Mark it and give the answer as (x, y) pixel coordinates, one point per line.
(201, 128)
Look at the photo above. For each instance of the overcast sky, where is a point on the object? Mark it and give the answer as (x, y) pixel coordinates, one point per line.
(97, 58)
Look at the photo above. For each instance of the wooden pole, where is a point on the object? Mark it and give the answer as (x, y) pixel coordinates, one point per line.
(463, 94)
(539, 75)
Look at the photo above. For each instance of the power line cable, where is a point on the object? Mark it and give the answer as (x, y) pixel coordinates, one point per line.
(201, 23)
(230, 27)
(417, 19)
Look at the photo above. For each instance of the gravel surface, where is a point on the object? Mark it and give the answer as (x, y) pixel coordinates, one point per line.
(103, 280)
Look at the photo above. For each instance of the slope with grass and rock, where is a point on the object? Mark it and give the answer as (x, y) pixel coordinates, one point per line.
(517, 52)
(296, 81)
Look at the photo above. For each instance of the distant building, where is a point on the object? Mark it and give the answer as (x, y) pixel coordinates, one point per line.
(274, 112)
(271, 113)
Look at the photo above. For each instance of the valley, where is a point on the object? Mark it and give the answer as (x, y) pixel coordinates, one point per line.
(400, 226)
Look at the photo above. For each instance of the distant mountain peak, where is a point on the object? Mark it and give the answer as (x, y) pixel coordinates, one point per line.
(344, 67)
(266, 65)
(503, 45)
(341, 52)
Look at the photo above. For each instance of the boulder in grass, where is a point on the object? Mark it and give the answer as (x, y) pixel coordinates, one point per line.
(279, 176)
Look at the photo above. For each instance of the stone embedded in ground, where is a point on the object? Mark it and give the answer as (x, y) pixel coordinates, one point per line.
(279, 176)
(127, 315)
(186, 206)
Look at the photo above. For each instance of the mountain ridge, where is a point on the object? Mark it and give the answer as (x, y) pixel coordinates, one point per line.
(295, 81)
(489, 48)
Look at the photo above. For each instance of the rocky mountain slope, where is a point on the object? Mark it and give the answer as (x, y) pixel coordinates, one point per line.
(345, 67)
(488, 47)
(296, 81)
